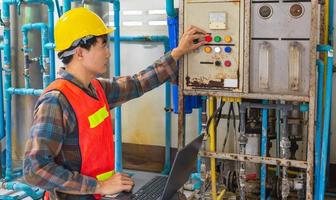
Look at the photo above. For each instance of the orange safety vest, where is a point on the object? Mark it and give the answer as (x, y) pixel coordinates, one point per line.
(94, 128)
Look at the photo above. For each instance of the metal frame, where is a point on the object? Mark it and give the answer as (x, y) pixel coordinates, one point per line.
(309, 163)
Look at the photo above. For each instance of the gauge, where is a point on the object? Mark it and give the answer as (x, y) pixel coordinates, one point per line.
(296, 10)
(265, 11)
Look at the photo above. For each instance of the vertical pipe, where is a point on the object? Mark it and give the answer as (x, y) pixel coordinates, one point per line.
(2, 122)
(52, 67)
(277, 127)
(26, 61)
(166, 168)
(263, 151)
(285, 145)
(118, 139)
(242, 150)
(212, 104)
(66, 5)
(331, 22)
(8, 83)
(326, 124)
(170, 8)
(319, 112)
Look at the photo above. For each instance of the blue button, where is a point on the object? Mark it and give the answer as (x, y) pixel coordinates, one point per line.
(228, 49)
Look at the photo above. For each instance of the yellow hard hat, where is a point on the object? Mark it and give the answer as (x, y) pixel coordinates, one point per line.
(76, 24)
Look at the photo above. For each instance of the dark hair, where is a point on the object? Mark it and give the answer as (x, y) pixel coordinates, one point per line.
(86, 45)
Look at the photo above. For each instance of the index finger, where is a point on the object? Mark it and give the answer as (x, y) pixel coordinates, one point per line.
(197, 30)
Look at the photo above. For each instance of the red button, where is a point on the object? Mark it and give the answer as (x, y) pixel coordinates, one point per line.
(208, 38)
(227, 63)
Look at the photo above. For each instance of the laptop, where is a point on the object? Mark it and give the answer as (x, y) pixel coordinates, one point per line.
(166, 187)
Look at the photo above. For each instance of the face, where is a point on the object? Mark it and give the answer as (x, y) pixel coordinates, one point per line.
(96, 59)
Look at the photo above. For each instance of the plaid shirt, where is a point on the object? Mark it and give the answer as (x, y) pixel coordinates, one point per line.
(52, 158)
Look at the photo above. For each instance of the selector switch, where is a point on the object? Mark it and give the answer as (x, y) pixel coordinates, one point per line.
(218, 63)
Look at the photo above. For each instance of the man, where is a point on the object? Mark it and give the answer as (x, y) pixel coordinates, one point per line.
(70, 153)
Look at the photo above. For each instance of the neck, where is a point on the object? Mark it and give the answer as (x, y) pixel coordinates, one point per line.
(82, 75)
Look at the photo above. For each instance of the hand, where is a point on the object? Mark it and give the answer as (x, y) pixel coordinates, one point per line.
(117, 183)
(187, 44)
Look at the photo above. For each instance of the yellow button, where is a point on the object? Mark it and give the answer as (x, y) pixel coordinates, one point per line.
(228, 39)
(207, 49)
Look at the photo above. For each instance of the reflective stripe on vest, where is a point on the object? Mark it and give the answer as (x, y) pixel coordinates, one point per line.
(94, 127)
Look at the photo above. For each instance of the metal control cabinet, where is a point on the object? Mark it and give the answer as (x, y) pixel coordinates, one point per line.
(280, 47)
(218, 64)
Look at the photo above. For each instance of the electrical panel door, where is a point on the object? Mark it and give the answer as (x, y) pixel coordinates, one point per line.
(280, 47)
(217, 65)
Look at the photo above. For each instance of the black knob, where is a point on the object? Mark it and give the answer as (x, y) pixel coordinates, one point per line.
(195, 41)
(218, 63)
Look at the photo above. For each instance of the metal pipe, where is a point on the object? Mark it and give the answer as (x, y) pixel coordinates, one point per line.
(331, 22)
(45, 57)
(117, 124)
(319, 112)
(277, 127)
(326, 119)
(212, 104)
(284, 147)
(170, 8)
(242, 151)
(263, 169)
(256, 159)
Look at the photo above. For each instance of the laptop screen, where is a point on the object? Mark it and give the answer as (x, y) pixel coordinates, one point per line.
(183, 165)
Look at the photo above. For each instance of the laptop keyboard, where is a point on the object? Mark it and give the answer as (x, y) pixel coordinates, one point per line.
(151, 190)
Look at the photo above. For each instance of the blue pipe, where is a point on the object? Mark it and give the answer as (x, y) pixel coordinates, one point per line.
(50, 5)
(45, 57)
(167, 165)
(170, 8)
(326, 119)
(50, 46)
(66, 5)
(117, 124)
(319, 112)
(2, 123)
(59, 11)
(23, 187)
(263, 152)
(154, 38)
(7, 83)
(24, 91)
(331, 22)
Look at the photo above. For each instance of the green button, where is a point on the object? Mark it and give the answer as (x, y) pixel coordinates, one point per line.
(217, 38)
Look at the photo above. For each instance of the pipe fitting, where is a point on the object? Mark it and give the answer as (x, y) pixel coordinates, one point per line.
(285, 146)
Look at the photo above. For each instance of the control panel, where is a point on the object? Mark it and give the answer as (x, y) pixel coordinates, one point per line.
(219, 63)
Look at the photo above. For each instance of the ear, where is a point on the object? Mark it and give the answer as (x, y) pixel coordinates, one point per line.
(79, 53)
